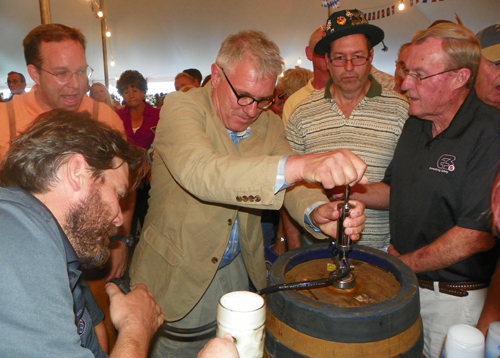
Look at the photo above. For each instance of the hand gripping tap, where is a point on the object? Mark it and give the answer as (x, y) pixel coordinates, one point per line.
(341, 277)
(342, 246)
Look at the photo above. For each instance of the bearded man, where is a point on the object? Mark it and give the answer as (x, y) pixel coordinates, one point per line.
(61, 183)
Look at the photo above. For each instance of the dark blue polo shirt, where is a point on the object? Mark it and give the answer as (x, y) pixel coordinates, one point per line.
(442, 182)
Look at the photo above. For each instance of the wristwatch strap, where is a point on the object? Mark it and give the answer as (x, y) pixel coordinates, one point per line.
(127, 240)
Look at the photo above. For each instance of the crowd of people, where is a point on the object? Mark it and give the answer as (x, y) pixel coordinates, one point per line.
(171, 195)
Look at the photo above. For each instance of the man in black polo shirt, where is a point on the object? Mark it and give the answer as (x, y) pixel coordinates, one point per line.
(439, 181)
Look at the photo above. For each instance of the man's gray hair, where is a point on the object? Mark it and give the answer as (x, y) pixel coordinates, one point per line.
(254, 46)
(460, 44)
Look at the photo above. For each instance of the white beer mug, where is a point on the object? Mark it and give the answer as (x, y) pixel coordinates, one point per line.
(493, 341)
(463, 341)
(242, 314)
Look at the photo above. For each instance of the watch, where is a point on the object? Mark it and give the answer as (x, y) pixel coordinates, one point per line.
(127, 240)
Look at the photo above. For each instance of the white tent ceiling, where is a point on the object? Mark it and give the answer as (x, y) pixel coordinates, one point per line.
(160, 38)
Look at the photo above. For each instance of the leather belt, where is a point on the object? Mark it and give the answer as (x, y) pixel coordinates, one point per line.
(458, 289)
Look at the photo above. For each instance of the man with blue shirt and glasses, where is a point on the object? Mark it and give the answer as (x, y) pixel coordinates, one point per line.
(220, 159)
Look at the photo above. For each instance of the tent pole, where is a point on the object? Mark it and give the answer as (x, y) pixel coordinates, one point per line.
(45, 11)
(104, 45)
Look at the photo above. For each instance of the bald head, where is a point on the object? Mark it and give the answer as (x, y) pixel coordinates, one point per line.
(317, 35)
(321, 74)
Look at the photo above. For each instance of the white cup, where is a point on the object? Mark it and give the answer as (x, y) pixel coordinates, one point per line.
(242, 314)
(493, 341)
(464, 341)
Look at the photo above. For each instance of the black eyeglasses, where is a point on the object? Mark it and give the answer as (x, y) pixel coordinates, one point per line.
(243, 101)
(419, 78)
(282, 96)
(66, 76)
(400, 64)
(280, 99)
(341, 61)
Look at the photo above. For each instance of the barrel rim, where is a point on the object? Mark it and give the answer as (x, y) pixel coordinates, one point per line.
(402, 273)
(275, 347)
(380, 321)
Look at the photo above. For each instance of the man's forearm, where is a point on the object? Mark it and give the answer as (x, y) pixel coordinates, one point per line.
(131, 345)
(127, 206)
(455, 245)
(375, 196)
(291, 230)
(491, 309)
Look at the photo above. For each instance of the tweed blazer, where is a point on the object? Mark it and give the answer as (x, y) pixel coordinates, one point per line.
(201, 183)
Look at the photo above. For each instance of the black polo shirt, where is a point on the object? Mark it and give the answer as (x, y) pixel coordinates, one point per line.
(438, 183)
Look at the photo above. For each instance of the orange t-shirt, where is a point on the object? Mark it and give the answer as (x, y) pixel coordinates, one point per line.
(26, 109)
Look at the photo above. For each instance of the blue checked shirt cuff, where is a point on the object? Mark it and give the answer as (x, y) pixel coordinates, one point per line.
(307, 216)
(280, 176)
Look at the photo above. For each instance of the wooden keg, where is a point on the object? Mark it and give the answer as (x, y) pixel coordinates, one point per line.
(378, 318)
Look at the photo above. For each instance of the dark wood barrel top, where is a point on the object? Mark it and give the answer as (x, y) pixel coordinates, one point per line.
(373, 285)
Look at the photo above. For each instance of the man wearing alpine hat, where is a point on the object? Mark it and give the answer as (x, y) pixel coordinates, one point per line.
(353, 111)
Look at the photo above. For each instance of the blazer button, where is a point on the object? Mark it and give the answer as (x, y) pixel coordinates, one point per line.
(214, 260)
(238, 198)
(257, 198)
(245, 198)
(251, 198)
(230, 222)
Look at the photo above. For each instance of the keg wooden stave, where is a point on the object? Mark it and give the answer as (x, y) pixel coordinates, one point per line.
(298, 326)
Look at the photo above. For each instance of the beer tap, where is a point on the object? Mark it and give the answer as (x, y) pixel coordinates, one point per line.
(341, 277)
(342, 246)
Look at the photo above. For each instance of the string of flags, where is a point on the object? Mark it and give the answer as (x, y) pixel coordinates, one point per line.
(382, 12)
(331, 3)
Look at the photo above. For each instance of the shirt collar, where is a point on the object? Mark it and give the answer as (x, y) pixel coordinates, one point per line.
(36, 205)
(147, 109)
(240, 135)
(375, 89)
(463, 118)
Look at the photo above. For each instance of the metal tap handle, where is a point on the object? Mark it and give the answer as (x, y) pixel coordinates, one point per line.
(344, 243)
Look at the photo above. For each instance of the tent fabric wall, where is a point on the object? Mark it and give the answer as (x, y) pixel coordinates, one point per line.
(160, 38)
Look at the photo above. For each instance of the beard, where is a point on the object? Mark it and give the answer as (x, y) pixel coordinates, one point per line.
(88, 227)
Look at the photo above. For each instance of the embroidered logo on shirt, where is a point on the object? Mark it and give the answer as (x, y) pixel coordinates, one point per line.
(81, 327)
(445, 164)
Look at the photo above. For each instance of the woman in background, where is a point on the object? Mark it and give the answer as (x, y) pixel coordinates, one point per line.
(290, 82)
(99, 93)
(140, 120)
